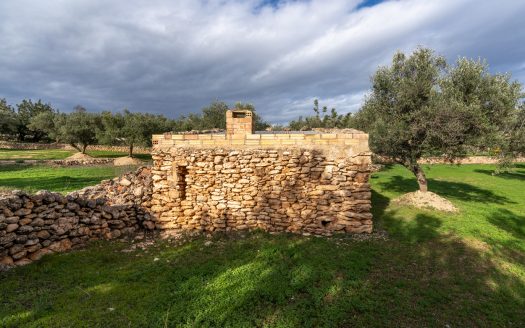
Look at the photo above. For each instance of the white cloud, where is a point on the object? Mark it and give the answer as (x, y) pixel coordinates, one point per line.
(173, 57)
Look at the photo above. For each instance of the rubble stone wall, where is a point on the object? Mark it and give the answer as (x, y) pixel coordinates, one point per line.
(32, 225)
(311, 190)
(37, 146)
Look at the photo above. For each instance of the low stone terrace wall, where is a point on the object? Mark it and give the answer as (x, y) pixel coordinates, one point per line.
(37, 146)
(62, 162)
(441, 160)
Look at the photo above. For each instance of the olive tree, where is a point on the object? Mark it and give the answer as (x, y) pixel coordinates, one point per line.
(26, 111)
(79, 129)
(49, 123)
(8, 119)
(130, 129)
(420, 106)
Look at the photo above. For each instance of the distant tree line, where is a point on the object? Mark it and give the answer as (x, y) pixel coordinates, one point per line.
(31, 121)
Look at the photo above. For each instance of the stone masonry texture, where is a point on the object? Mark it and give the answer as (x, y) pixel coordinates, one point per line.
(301, 190)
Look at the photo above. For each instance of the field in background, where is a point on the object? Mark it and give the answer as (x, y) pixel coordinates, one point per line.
(49, 154)
(60, 179)
(434, 269)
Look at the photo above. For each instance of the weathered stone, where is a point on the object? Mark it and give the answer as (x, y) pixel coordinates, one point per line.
(38, 222)
(43, 234)
(39, 253)
(11, 227)
(11, 219)
(25, 229)
(125, 182)
(19, 255)
(60, 246)
(22, 212)
(149, 225)
(23, 262)
(16, 249)
(7, 260)
(25, 221)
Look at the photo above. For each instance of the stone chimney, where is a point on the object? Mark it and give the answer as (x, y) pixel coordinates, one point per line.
(239, 122)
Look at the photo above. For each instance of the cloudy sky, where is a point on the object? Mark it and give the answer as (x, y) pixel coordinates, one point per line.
(174, 57)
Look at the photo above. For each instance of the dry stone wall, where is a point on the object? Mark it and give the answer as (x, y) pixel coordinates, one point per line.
(304, 190)
(37, 146)
(32, 225)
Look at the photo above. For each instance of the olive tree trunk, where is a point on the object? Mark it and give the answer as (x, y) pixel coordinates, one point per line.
(130, 154)
(420, 176)
(74, 145)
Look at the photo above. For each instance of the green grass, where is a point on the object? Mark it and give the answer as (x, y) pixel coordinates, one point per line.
(60, 179)
(50, 154)
(41, 154)
(435, 270)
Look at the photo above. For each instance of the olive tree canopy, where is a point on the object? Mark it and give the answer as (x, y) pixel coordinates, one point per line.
(420, 106)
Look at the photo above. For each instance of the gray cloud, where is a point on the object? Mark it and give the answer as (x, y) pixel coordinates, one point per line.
(174, 57)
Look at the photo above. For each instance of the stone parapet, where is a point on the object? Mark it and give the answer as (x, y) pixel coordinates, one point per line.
(349, 143)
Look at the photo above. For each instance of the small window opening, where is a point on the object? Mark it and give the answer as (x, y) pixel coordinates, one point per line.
(180, 178)
(324, 223)
(239, 115)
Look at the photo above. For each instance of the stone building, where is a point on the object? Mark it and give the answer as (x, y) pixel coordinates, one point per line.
(310, 183)
(304, 182)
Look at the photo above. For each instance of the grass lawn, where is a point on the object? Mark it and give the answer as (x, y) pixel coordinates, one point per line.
(60, 179)
(435, 270)
(49, 154)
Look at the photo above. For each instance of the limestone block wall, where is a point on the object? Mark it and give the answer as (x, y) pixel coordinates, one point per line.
(307, 189)
(346, 144)
(239, 122)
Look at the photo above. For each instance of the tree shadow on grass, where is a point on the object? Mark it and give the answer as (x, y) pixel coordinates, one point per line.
(265, 280)
(438, 279)
(458, 190)
(508, 221)
(14, 167)
(518, 173)
(278, 280)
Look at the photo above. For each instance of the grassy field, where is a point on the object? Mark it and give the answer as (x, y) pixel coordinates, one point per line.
(434, 270)
(49, 154)
(61, 179)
